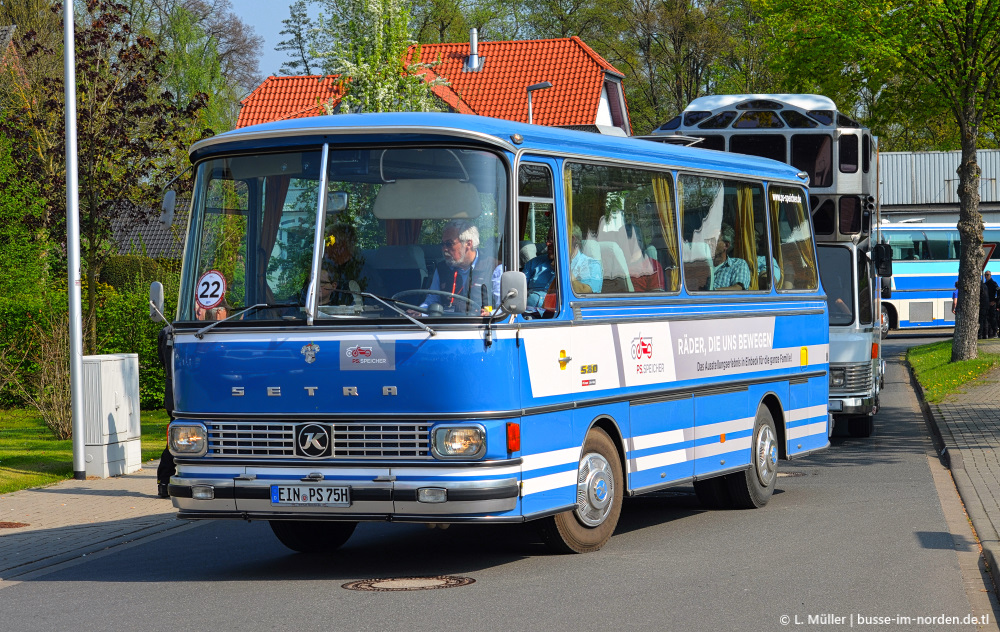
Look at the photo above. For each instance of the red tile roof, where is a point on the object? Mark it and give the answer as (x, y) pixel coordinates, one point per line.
(497, 89)
(280, 98)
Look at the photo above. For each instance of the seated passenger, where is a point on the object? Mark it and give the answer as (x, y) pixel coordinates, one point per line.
(645, 271)
(730, 273)
(586, 272)
(541, 274)
(463, 270)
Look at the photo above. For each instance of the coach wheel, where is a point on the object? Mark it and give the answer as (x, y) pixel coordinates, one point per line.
(598, 500)
(886, 321)
(310, 536)
(861, 426)
(753, 487)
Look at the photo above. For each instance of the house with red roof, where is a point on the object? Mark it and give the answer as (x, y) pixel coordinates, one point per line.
(488, 79)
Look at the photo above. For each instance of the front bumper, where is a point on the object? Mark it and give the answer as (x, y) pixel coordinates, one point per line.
(852, 405)
(484, 492)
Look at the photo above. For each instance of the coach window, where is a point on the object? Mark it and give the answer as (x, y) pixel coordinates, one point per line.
(791, 238)
(711, 141)
(764, 145)
(813, 153)
(536, 252)
(823, 213)
(866, 153)
(848, 153)
(850, 215)
(724, 243)
(624, 236)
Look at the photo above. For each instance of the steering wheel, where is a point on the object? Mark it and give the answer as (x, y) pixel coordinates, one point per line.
(471, 304)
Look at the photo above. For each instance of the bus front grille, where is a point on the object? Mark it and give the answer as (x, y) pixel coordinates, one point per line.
(346, 440)
(857, 379)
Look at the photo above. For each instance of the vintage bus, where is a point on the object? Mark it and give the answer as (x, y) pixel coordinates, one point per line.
(925, 271)
(840, 157)
(443, 318)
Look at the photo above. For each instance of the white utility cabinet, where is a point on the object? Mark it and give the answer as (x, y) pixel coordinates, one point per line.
(111, 414)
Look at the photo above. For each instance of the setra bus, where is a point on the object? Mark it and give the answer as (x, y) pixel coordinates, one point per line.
(925, 271)
(840, 157)
(444, 318)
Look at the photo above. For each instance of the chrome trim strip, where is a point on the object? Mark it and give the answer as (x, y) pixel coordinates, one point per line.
(639, 491)
(799, 455)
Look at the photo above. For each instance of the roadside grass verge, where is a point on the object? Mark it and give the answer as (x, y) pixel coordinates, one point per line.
(31, 457)
(938, 376)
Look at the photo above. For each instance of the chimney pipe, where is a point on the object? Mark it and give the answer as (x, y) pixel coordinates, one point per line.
(472, 64)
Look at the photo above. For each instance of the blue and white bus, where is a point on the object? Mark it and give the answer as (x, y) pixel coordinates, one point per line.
(443, 318)
(925, 269)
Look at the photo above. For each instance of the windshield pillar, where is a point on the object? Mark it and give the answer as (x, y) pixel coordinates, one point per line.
(312, 296)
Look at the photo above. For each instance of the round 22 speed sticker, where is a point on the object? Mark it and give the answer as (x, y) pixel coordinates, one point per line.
(211, 289)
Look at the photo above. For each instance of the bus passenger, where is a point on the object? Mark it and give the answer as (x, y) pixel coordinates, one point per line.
(464, 270)
(730, 273)
(586, 272)
(541, 274)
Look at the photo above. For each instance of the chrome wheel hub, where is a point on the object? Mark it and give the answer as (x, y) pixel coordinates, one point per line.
(766, 456)
(595, 489)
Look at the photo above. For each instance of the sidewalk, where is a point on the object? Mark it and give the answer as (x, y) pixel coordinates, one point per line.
(75, 518)
(969, 426)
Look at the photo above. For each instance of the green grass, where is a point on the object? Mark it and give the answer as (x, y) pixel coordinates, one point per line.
(938, 376)
(31, 457)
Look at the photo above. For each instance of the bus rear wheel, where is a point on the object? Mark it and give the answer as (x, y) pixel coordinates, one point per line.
(598, 500)
(753, 487)
(311, 536)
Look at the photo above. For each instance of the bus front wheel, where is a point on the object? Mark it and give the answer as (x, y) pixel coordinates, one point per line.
(311, 536)
(598, 500)
(753, 487)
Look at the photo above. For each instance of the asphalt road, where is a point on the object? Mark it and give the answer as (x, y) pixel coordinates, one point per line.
(866, 529)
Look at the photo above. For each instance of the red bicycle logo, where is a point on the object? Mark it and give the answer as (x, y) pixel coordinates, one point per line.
(354, 352)
(642, 348)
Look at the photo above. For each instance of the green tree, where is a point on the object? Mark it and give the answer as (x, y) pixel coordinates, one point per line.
(24, 246)
(128, 129)
(298, 29)
(366, 43)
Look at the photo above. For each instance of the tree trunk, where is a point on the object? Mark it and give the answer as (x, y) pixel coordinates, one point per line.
(970, 229)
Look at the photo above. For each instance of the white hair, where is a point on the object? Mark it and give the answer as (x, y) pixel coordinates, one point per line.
(466, 231)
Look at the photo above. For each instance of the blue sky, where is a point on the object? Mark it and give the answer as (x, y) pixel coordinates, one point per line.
(265, 16)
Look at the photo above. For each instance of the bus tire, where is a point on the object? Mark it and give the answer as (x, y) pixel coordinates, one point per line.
(599, 500)
(312, 536)
(753, 487)
(861, 426)
(713, 493)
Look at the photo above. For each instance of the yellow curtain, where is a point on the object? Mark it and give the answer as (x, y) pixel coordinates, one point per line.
(746, 245)
(806, 277)
(568, 202)
(662, 192)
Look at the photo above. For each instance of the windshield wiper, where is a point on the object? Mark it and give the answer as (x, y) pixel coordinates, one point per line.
(201, 332)
(386, 301)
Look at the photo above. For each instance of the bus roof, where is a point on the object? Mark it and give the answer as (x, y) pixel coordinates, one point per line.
(804, 101)
(422, 126)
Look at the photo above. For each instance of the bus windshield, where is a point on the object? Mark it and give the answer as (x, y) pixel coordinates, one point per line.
(835, 269)
(419, 227)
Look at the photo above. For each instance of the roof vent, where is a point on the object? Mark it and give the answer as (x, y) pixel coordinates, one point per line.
(473, 63)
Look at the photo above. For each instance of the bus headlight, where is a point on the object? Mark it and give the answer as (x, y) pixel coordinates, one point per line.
(188, 439)
(837, 378)
(459, 442)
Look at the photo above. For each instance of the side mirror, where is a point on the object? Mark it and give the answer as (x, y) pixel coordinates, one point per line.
(156, 302)
(882, 256)
(886, 287)
(513, 292)
(167, 208)
(336, 202)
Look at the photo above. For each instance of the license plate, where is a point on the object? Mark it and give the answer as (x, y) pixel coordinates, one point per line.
(310, 495)
(836, 405)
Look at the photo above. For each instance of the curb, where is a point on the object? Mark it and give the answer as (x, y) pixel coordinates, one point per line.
(952, 459)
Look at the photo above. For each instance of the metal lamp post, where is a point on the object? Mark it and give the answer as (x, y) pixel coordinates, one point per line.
(538, 86)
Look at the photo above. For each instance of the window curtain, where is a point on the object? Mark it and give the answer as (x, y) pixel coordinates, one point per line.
(568, 202)
(799, 239)
(746, 245)
(275, 190)
(665, 207)
(402, 232)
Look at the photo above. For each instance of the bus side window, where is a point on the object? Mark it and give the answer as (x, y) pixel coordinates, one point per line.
(537, 247)
(792, 238)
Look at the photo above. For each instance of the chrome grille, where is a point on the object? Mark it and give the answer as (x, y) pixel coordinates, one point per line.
(857, 378)
(272, 439)
(251, 439)
(398, 441)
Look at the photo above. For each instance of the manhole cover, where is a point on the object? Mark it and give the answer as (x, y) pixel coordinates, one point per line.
(13, 525)
(390, 584)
